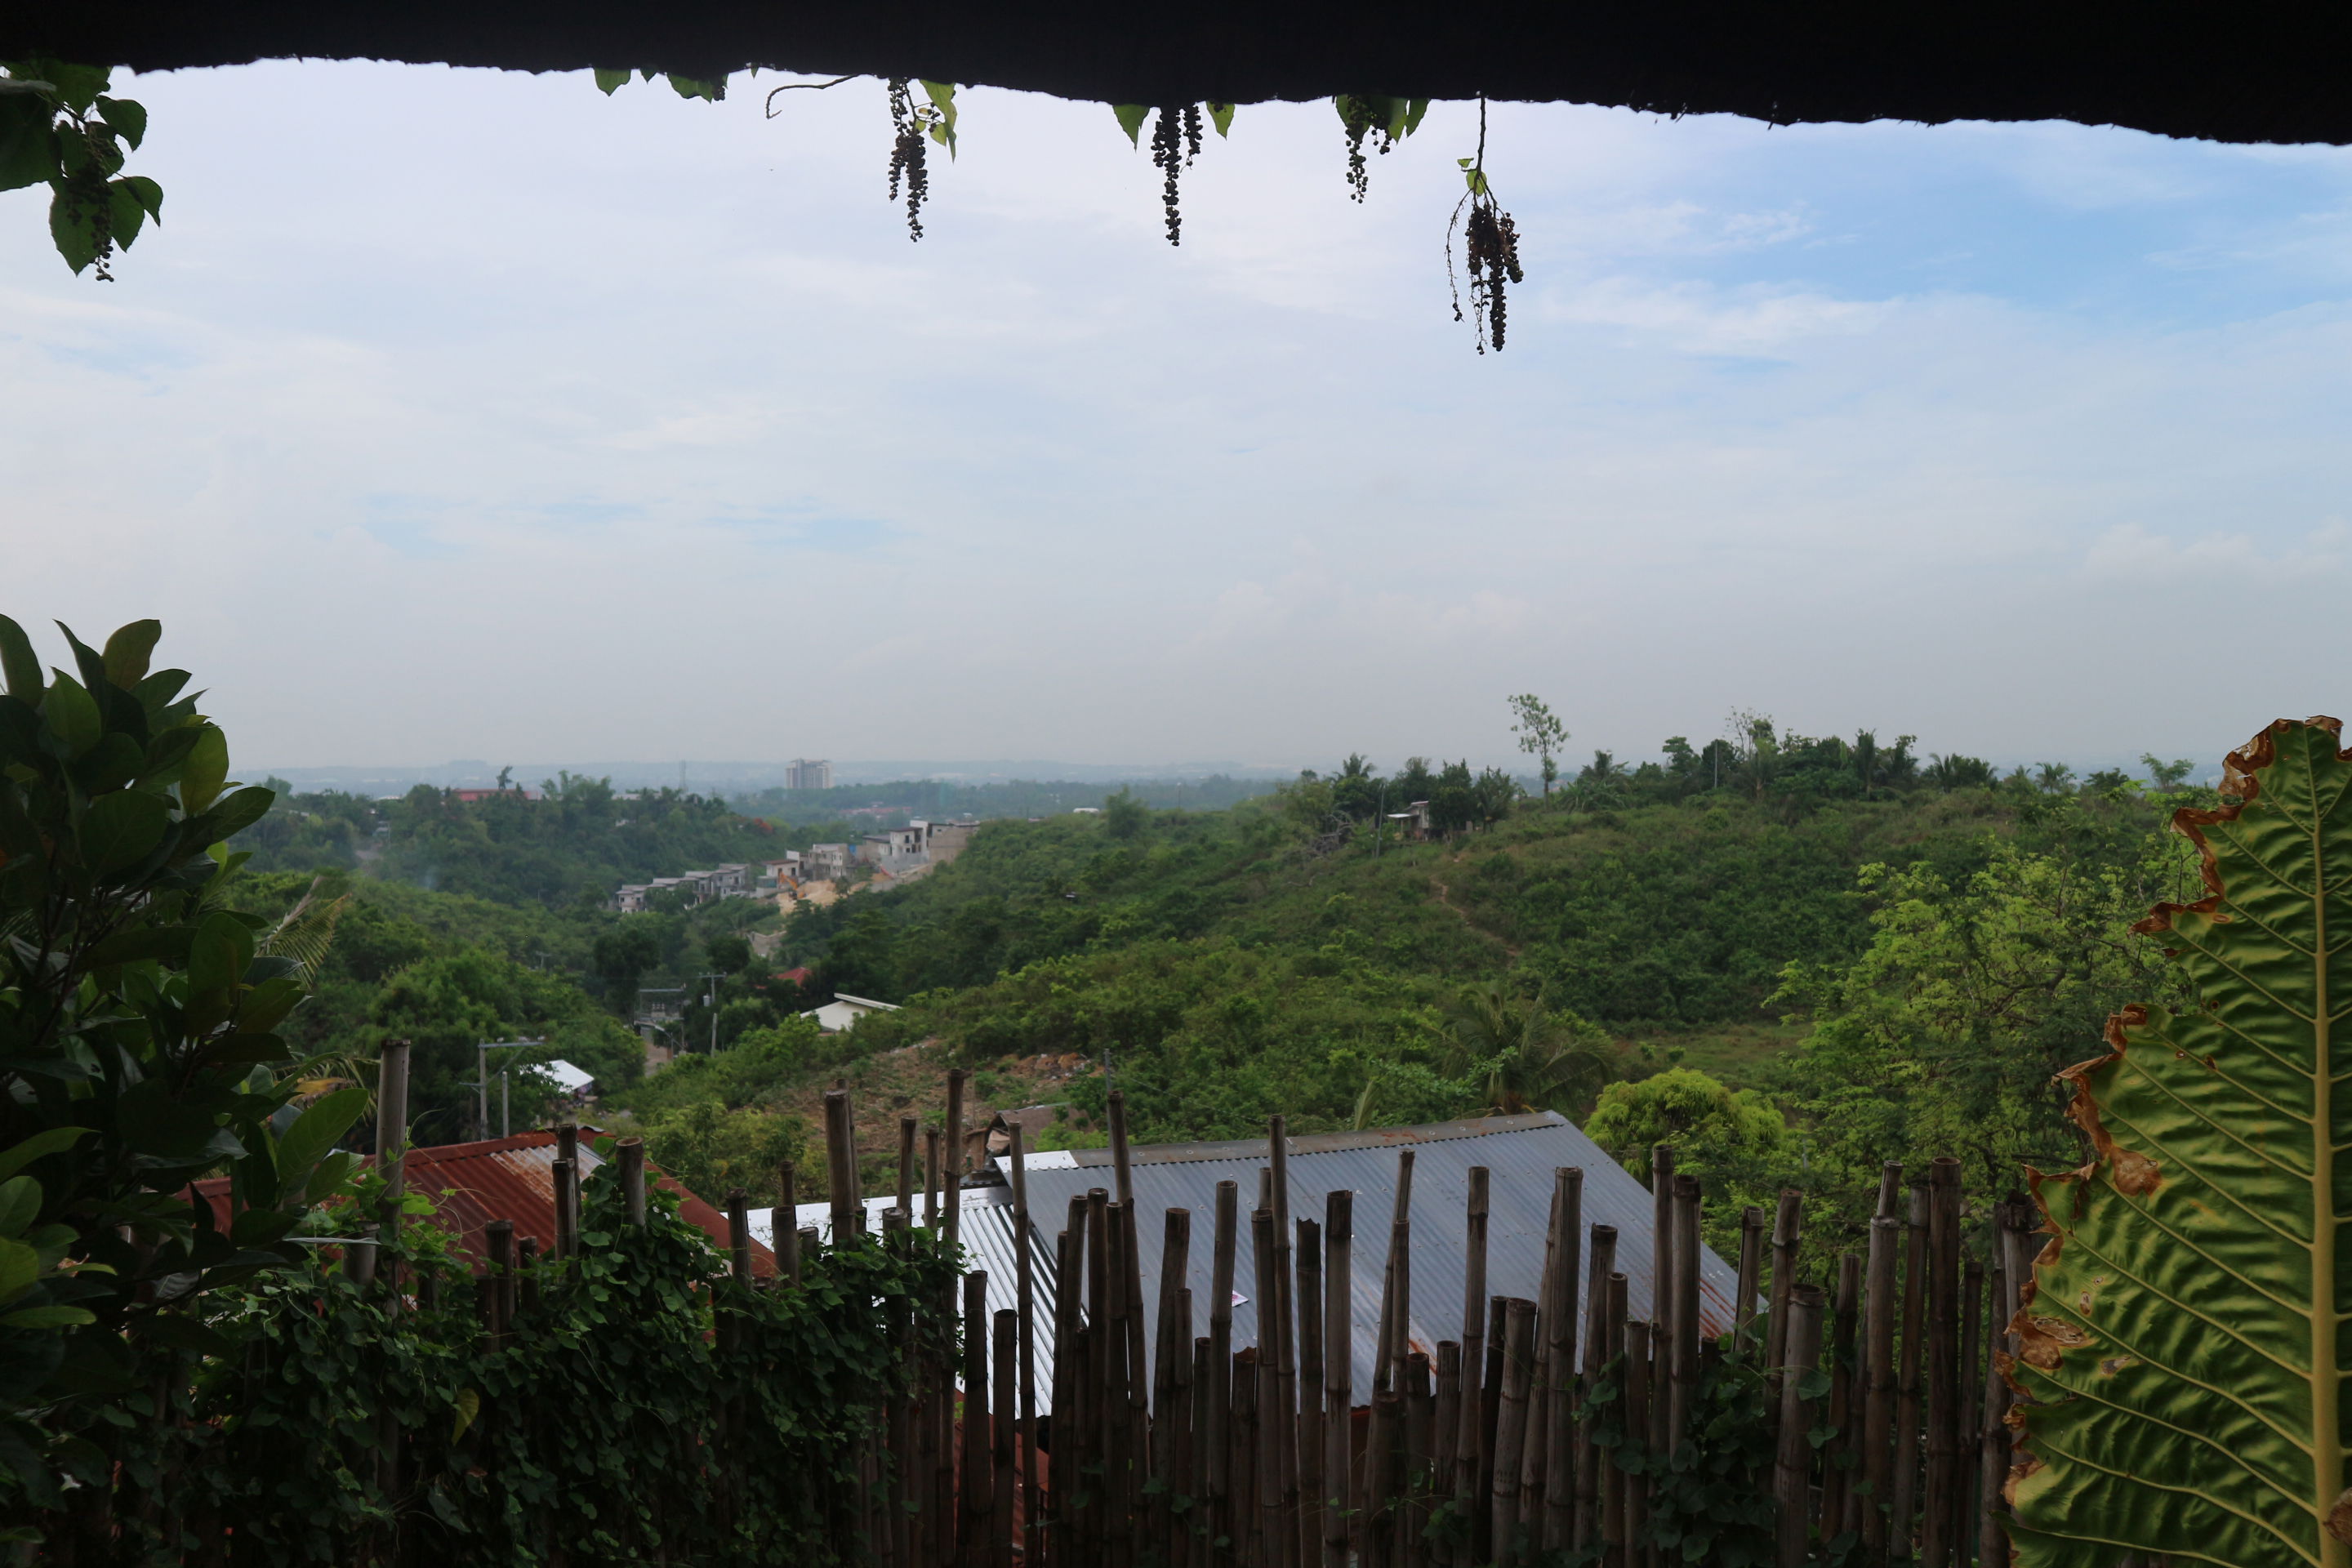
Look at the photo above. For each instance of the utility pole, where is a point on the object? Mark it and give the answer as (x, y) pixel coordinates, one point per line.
(482, 1050)
(714, 977)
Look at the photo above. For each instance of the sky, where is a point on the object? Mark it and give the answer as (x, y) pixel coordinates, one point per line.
(459, 414)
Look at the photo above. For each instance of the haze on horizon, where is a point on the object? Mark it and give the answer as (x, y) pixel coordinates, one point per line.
(485, 416)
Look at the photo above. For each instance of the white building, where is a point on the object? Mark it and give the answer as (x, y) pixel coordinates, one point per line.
(844, 1011)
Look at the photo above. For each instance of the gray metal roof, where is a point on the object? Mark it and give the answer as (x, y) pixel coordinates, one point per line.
(1519, 1152)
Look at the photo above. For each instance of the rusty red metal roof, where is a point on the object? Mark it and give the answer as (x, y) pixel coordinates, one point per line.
(470, 1184)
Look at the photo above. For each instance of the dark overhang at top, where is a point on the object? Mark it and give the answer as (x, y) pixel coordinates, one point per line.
(2245, 70)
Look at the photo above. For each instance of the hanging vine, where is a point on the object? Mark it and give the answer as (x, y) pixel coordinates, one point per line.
(1490, 243)
(912, 124)
(1387, 121)
(59, 127)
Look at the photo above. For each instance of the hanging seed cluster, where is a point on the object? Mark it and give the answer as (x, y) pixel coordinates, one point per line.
(1175, 143)
(1492, 242)
(906, 164)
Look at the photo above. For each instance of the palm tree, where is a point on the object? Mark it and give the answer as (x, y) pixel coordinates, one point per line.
(1525, 1057)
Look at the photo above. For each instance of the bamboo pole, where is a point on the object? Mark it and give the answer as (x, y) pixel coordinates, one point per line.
(1560, 1477)
(1968, 1444)
(931, 1177)
(907, 1125)
(1379, 1434)
(1171, 1351)
(739, 1236)
(1106, 1345)
(1641, 1396)
(1469, 1456)
(1067, 1359)
(1310, 1445)
(1605, 1343)
(1185, 1513)
(1910, 1355)
(1446, 1416)
(1943, 1361)
(1600, 1349)
(1008, 1360)
(1751, 1275)
(1511, 1428)
(1121, 1166)
(1682, 1357)
(1839, 1498)
(1878, 1385)
(1401, 1260)
(1136, 1417)
(837, 1165)
(1531, 1455)
(1286, 1340)
(1663, 1294)
(1792, 1471)
(1025, 1307)
(565, 1175)
(898, 1541)
(1268, 1478)
(1201, 1536)
(951, 1173)
(1787, 1238)
(631, 1153)
(498, 1237)
(1420, 1414)
(1221, 1519)
(1249, 1549)
(1338, 1373)
(978, 1497)
(1118, 1388)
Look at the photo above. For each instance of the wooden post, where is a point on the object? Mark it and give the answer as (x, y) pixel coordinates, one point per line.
(1910, 1356)
(391, 1162)
(1339, 1374)
(1751, 1277)
(931, 1177)
(839, 1166)
(1222, 1522)
(739, 1236)
(1663, 1294)
(1269, 1476)
(1787, 1238)
(567, 1220)
(1559, 1440)
(1511, 1428)
(906, 1163)
(1137, 1385)
(1682, 1355)
(1968, 1437)
(977, 1495)
(1397, 1329)
(1309, 1448)
(895, 1542)
(1943, 1361)
(1171, 1351)
(1793, 1474)
(499, 1235)
(783, 1226)
(1640, 1398)
(1183, 1406)
(1200, 1525)
(1600, 1349)
(1878, 1384)
(631, 1154)
(1469, 1479)
(1068, 1357)
(1446, 1415)
(1008, 1360)
(1838, 1497)
(1285, 1343)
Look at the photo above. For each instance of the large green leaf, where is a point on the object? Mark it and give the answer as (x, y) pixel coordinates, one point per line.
(2185, 1340)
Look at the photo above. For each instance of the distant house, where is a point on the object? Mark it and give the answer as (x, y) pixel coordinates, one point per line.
(844, 1011)
(803, 773)
(469, 797)
(892, 844)
(943, 841)
(826, 862)
(630, 900)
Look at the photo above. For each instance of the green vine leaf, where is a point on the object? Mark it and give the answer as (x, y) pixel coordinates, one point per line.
(692, 86)
(1221, 115)
(942, 97)
(609, 83)
(1130, 119)
(127, 119)
(2183, 1340)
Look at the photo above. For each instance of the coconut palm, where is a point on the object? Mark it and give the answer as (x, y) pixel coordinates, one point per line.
(1523, 1056)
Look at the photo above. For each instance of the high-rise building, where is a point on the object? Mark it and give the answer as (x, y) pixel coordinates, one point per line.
(806, 773)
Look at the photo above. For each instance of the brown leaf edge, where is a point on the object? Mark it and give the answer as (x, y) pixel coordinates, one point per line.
(2043, 1342)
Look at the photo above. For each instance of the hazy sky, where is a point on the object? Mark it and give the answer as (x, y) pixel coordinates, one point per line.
(465, 415)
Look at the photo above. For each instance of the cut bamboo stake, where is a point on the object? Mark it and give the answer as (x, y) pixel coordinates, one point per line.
(1682, 1360)
(1878, 1383)
(1663, 1294)
(631, 1154)
(1117, 1446)
(1600, 1349)
(977, 1495)
(499, 1235)
(1136, 1417)
(1469, 1468)
(906, 1163)
(1531, 1458)
(1642, 1397)
(1268, 1478)
(1201, 1528)
(1285, 1341)
(1605, 1343)
(1447, 1416)
(1838, 1496)
(931, 1177)
(1560, 1441)
(1182, 1407)
(1222, 1520)
(1906, 1490)
(1249, 1550)
(1787, 1239)
(1309, 1448)
(1008, 1332)
(1943, 1361)
(1063, 1407)
(1791, 1474)
(1419, 1416)
(1967, 1447)
(1118, 1156)
(1338, 1373)
(1024, 1308)
(951, 1174)
(1511, 1428)
(1400, 1260)
(1751, 1275)
(897, 1537)
(837, 1159)
(739, 1236)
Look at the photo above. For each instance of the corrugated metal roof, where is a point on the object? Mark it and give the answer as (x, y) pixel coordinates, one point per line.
(1519, 1152)
(470, 1184)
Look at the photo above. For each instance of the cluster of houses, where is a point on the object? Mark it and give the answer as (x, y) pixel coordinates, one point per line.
(815, 874)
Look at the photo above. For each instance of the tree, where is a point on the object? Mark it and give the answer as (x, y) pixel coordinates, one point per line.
(2165, 777)
(1522, 1054)
(1705, 1121)
(1125, 816)
(622, 956)
(1540, 735)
